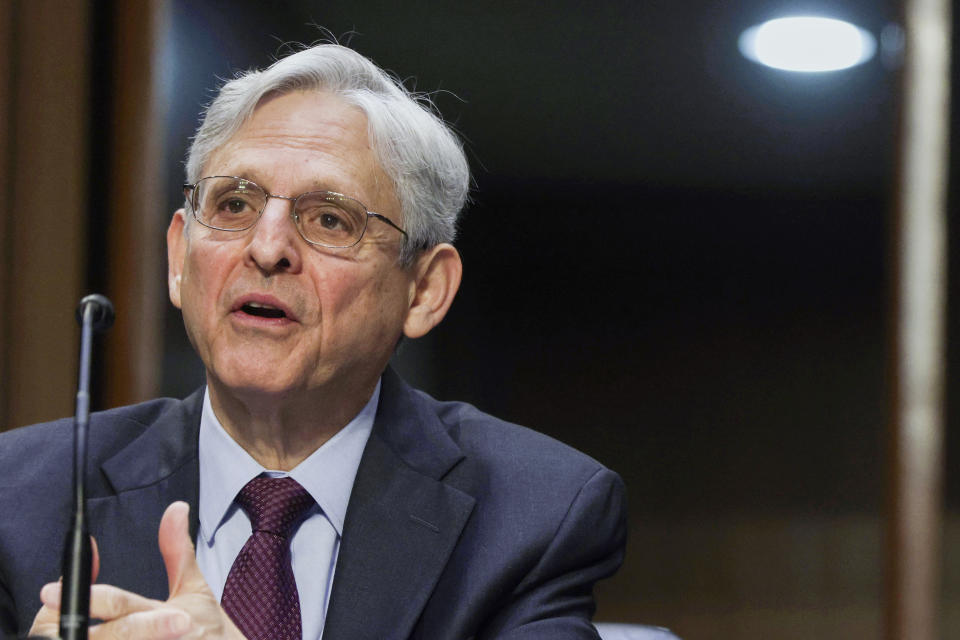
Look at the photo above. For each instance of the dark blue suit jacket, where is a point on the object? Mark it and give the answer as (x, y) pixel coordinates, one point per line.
(459, 525)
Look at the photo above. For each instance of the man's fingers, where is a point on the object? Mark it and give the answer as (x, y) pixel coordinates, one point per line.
(46, 623)
(163, 623)
(50, 595)
(106, 602)
(179, 556)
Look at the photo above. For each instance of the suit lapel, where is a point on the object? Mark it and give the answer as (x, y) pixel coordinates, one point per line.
(402, 522)
(157, 468)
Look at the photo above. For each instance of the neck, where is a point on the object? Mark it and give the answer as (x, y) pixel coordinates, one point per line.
(280, 433)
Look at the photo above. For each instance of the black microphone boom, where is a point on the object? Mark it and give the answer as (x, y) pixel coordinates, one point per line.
(95, 313)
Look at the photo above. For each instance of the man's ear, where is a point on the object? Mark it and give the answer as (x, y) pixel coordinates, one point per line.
(176, 251)
(437, 275)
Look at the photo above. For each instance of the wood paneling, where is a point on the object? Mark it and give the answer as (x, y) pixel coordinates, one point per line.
(45, 168)
(138, 182)
(917, 434)
(7, 51)
(44, 261)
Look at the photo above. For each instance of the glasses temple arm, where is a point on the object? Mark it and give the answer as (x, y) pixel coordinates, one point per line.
(388, 221)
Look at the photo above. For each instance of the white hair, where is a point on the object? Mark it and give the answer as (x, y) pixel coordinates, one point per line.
(416, 149)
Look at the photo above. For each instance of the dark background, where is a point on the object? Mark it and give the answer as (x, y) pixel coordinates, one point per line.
(675, 260)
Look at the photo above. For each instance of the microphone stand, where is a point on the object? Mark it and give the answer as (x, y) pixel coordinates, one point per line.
(94, 313)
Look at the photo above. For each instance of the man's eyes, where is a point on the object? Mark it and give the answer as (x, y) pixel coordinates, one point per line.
(332, 221)
(329, 218)
(234, 205)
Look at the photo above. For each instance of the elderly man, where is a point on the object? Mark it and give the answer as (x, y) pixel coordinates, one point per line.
(306, 490)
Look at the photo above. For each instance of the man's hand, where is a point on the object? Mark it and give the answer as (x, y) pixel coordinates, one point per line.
(191, 611)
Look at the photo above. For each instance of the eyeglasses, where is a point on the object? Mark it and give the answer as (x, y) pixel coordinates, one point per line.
(324, 218)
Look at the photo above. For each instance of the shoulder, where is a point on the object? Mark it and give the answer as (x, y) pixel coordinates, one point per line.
(520, 472)
(547, 522)
(44, 451)
(504, 443)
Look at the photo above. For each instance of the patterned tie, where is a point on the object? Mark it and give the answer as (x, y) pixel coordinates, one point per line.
(260, 594)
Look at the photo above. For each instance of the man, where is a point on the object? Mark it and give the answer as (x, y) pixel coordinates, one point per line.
(321, 203)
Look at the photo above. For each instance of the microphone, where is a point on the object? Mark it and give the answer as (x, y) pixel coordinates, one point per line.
(95, 313)
(102, 311)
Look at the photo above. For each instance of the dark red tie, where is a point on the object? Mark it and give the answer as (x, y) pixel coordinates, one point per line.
(260, 594)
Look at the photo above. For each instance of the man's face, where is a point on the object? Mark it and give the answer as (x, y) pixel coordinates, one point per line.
(343, 309)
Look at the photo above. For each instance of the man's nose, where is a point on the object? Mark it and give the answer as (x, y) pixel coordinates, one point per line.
(274, 243)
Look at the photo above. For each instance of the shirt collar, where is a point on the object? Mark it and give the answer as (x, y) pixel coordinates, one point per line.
(327, 474)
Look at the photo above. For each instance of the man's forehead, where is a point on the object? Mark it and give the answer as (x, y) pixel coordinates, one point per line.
(314, 139)
(304, 120)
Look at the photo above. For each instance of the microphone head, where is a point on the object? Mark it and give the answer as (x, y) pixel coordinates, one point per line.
(102, 311)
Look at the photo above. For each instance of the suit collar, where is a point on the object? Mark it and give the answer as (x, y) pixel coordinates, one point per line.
(166, 452)
(402, 521)
(408, 424)
(405, 422)
(163, 448)
(327, 473)
(168, 449)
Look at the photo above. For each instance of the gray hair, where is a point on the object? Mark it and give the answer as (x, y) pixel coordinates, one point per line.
(416, 149)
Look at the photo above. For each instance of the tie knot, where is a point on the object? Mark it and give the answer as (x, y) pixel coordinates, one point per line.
(274, 504)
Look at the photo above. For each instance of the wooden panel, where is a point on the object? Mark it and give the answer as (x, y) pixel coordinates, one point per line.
(916, 460)
(46, 261)
(138, 182)
(7, 49)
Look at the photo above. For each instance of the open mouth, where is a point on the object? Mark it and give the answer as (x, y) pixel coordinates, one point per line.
(262, 310)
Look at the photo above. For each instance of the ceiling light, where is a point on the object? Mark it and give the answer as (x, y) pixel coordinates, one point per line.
(807, 43)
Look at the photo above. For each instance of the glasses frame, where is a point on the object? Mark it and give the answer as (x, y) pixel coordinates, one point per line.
(190, 192)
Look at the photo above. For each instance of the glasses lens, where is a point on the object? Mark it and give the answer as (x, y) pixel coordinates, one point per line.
(331, 219)
(228, 203)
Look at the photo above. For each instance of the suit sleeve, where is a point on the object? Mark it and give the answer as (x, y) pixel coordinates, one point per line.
(555, 600)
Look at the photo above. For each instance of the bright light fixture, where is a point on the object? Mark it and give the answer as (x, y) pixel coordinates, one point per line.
(807, 43)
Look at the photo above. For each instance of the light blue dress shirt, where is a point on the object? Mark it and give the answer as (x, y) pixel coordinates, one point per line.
(327, 474)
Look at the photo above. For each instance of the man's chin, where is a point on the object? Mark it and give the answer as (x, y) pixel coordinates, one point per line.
(268, 379)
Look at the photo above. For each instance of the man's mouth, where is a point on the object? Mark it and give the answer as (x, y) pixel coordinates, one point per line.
(262, 310)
